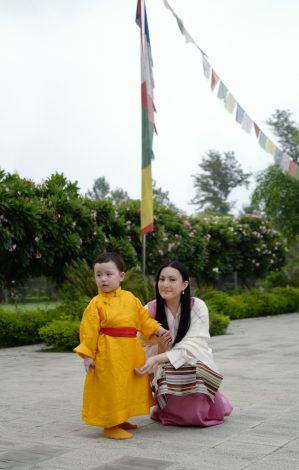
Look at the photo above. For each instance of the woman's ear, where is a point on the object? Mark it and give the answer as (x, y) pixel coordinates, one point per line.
(122, 276)
(185, 284)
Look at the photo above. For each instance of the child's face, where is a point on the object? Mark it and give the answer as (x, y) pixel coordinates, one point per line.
(107, 276)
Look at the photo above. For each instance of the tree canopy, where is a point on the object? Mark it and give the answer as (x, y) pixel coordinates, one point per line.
(219, 175)
(287, 132)
(276, 196)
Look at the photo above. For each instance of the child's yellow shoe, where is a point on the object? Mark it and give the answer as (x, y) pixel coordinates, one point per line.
(116, 433)
(128, 425)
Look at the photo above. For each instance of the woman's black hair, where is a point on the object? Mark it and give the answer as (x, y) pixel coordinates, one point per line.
(184, 324)
(111, 256)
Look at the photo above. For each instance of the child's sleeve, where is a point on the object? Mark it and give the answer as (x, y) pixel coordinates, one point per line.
(147, 324)
(89, 331)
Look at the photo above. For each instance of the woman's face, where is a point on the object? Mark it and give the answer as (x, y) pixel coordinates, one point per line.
(171, 284)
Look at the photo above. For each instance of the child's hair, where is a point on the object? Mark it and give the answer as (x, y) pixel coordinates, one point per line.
(185, 319)
(110, 256)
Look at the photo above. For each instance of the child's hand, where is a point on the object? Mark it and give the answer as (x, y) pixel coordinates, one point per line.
(88, 364)
(164, 336)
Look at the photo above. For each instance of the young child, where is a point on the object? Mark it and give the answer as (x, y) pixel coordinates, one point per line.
(111, 351)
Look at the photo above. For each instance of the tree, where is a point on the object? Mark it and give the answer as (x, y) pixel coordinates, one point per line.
(219, 176)
(43, 227)
(287, 131)
(100, 189)
(119, 195)
(162, 196)
(276, 196)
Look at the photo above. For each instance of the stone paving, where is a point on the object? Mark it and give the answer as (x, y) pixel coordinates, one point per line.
(40, 406)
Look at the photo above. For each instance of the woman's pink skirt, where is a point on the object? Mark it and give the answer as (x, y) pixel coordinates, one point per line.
(196, 409)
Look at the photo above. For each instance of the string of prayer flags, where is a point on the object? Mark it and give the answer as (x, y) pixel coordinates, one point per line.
(182, 28)
(231, 105)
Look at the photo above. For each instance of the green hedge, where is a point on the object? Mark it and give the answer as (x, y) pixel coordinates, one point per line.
(254, 303)
(21, 328)
(218, 323)
(59, 327)
(62, 335)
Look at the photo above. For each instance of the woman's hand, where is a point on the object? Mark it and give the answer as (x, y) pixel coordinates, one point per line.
(88, 364)
(151, 362)
(145, 369)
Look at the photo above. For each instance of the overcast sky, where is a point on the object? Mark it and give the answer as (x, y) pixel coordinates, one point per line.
(70, 87)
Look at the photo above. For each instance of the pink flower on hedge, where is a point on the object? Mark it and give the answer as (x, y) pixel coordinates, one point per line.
(38, 255)
(13, 247)
(170, 246)
(187, 223)
(93, 215)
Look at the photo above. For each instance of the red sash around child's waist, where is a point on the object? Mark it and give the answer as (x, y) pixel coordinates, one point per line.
(120, 332)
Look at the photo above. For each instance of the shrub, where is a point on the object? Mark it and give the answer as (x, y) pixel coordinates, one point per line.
(71, 309)
(21, 328)
(62, 335)
(79, 281)
(139, 285)
(254, 303)
(218, 323)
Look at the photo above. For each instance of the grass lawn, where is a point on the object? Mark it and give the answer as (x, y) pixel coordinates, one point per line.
(28, 306)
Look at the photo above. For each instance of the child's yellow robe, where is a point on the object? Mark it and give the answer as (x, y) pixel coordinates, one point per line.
(113, 391)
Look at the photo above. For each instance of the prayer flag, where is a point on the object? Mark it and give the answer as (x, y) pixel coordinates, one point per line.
(206, 67)
(222, 91)
(270, 147)
(285, 161)
(278, 156)
(292, 168)
(262, 140)
(239, 114)
(257, 130)
(214, 79)
(230, 103)
(147, 119)
(246, 123)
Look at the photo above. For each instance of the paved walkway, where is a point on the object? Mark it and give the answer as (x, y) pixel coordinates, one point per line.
(40, 403)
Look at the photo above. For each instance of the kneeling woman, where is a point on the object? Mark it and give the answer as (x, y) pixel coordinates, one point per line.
(185, 378)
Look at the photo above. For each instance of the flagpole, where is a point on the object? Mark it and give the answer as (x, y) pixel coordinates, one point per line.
(143, 254)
